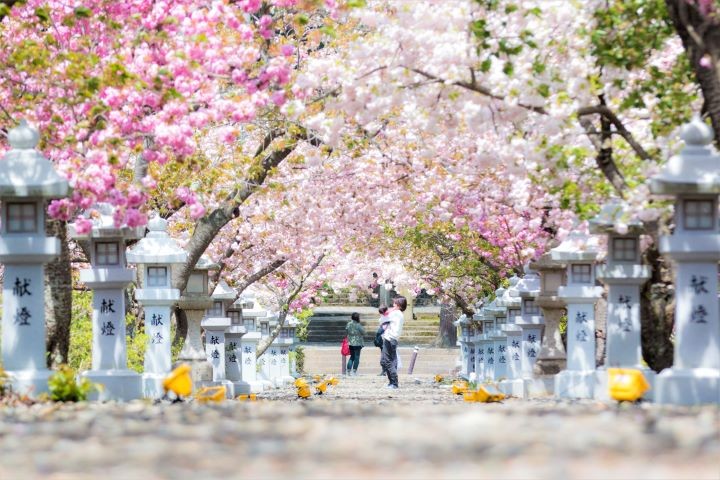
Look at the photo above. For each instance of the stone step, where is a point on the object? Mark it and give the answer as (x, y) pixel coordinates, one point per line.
(321, 359)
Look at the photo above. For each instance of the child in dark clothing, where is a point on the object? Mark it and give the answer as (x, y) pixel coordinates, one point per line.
(384, 322)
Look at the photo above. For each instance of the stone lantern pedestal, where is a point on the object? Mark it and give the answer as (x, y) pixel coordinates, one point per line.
(485, 345)
(513, 383)
(624, 275)
(27, 180)
(497, 336)
(108, 277)
(579, 252)
(250, 382)
(196, 302)
(551, 359)
(155, 254)
(693, 178)
(215, 349)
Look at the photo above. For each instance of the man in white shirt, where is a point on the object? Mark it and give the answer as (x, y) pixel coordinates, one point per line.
(390, 340)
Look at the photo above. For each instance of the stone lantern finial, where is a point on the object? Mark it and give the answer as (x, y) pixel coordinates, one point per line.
(696, 133)
(23, 137)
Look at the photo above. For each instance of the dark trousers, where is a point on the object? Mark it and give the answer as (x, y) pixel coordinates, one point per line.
(354, 357)
(384, 372)
(388, 360)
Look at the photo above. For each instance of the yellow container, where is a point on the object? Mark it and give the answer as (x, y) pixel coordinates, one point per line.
(488, 394)
(300, 382)
(251, 397)
(470, 396)
(626, 384)
(459, 388)
(317, 378)
(304, 392)
(321, 388)
(333, 381)
(211, 394)
(179, 381)
(439, 378)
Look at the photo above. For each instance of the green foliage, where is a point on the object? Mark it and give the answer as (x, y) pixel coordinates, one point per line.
(64, 386)
(299, 355)
(301, 331)
(563, 323)
(4, 383)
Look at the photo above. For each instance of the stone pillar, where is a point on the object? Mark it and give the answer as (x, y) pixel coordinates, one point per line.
(579, 251)
(551, 359)
(108, 279)
(155, 254)
(27, 180)
(694, 248)
(624, 275)
(249, 382)
(467, 357)
(512, 351)
(215, 349)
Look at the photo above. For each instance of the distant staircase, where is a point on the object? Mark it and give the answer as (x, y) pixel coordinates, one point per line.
(327, 325)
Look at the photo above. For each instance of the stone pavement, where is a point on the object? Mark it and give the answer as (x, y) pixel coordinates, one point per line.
(360, 430)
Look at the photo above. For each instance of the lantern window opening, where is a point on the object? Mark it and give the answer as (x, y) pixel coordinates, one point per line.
(22, 217)
(264, 330)
(217, 309)
(531, 308)
(501, 320)
(249, 324)
(235, 317)
(157, 276)
(624, 249)
(107, 253)
(581, 273)
(197, 283)
(698, 214)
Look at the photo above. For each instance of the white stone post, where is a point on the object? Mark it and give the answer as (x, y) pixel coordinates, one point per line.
(215, 348)
(27, 180)
(624, 275)
(249, 382)
(694, 247)
(513, 383)
(579, 251)
(155, 254)
(497, 336)
(485, 345)
(467, 358)
(532, 324)
(108, 277)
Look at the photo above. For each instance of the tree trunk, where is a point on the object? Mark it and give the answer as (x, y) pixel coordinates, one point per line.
(700, 36)
(447, 336)
(58, 297)
(656, 312)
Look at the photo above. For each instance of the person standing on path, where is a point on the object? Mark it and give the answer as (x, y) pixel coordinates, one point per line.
(391, 338)
(355, 333)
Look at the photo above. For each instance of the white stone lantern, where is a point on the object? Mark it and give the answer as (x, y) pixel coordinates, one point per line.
(693, 178)
(485, 344)
(624, 274)
(197, 303)
(222, 353)
(513, 384)
(155, 255)
(552, 358)
(467, 346)
(498, 349)
(280, 353)
(251, 313)
(27, 181)
(479, 339)
(289, 331)
(580, 252)
(108, 278)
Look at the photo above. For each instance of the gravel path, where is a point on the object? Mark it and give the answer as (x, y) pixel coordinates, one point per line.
(360, 430)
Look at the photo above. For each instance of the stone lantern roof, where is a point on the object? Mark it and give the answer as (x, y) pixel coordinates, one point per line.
(463, 320)
(611, 213)
(157, 247)
(529, 285)
(25, 172)
(577, 247)
(696, 169)
(511, 297)
(204, 263)
(255, 311)
(223, 291)
(103, 226)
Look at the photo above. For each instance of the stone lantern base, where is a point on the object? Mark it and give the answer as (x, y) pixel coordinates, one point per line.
(117, 385)
(692, 386)
(245, 388)
(575, 384)
(29, 382)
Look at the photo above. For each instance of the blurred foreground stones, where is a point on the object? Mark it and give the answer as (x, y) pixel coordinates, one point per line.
(359, 430)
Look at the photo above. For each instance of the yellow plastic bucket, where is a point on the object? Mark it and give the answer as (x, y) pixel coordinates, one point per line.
(304, 392)
(626, 384)
(179, 381)
(321, 388)
(251, 397)
(300, 382)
